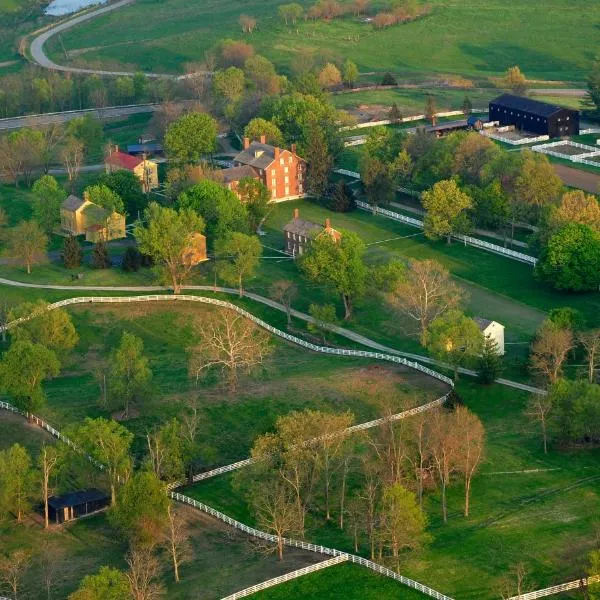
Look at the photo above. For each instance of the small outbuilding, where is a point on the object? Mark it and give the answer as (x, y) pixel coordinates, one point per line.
(299, 233)
(76, 504)
(492, 330)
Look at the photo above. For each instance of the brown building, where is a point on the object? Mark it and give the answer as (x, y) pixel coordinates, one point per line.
(282, 171)
(82, 217)
(299, 233)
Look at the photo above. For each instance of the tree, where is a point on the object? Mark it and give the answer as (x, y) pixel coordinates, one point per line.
(72, 254)
(12, 569)
(571, 260)
(395, 114)
(191, 137)
(230, 343)
(550, 350)
(455, 338)
(388, 79)
(23, 369)
(443, 439)
(48, 196)
(590, 340)
(320, 161)
(219, 208)
(130, 374)
(472, 154)
(17, 482)
(285, 292)
(537, 184)
(127, 186)
(256, 196)
(52, 329)
(167, 238)
(566, 317)
(235, 53)
(489, 362)
(290, 13)
(248, 23)
(426, 293)
(577, 207)
(109, 443)
(239, 256)
(47, 462)
(467, 106)
(262, 73)
(430, 109)
(165, 451)
(107, 584)
(491, 205)
(101, 195)
(132, 260)
(329, 76)
(141, 509)
(338, 262)
(228, 86)
(323, 318)
(87, 130)
(258, 127)
(28, 243)
(593, 570)
(142, 575)
(377, 177)
(403, 522)
(100, 257)
(471, 446)
(446, 207)
(538, 408)
(515, 81)
(340, 197)
(349, 73)
(71, 155)
(592, 97)
(176, 540)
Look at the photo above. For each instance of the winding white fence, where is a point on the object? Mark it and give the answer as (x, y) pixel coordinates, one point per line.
(470, 241)
(579, 584)
(330, 562)
(261, 535)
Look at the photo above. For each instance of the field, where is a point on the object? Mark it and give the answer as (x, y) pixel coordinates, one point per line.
(469, 38)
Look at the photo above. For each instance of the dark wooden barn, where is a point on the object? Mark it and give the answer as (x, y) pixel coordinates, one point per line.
(534, 116)
(76, 504)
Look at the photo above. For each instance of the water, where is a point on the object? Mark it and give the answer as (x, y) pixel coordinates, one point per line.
(58, 8)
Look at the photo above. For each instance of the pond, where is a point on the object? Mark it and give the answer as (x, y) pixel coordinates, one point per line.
(57, 8)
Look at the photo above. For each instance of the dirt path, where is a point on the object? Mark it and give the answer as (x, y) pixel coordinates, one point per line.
(584, 180)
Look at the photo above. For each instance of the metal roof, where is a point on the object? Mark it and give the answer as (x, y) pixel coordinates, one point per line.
(76, 498)
(536, 107)
(257, 155)
(303, 227)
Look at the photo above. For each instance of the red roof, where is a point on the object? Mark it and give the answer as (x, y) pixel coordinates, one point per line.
(125, 161)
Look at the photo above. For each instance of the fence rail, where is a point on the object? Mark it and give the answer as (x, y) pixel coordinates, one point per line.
(262, 535)
(330, 562)
(558, 589)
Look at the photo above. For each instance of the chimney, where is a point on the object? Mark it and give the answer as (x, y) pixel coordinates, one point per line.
(276, 153)
(246, 143)
(263, 139)
(86, 196)
(293, 148)
(327, 223)
(296, 213)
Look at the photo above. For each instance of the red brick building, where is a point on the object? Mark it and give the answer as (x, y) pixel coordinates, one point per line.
(282, 171)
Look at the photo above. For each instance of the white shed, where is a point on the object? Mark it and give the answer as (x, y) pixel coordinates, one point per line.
(492, 330)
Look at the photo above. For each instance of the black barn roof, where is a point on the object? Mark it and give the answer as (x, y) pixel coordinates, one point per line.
(76, 498)
(542, 109)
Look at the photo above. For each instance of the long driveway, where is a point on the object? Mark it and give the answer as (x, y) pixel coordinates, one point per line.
(347, 333)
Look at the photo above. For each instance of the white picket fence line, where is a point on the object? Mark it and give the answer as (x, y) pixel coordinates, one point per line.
(261, 535)
(576, 158)
(330, 562)
(558, 589)
(517, 142)
(470, 241)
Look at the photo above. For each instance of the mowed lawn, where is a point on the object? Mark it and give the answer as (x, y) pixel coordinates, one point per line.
(527, 507)
(549, 39)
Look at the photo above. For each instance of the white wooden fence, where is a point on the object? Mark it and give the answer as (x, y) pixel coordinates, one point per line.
(558, 589)
(261, 535)
(515, 142)
(330, 562)
(589, 151)
(468, 240)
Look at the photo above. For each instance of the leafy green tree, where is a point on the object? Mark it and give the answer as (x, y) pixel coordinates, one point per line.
(388, 79)
(567, 318)
(72, 254)
(262, 74)
(140, 83)
(515, 81)
(132, 260)
(384, 144)
(537, 184)
(258, 127)
(472, 153)
(140, 511)
(446, 207)
(323, 318)
(290, 13)
(130, 374)
(377, 177)
(239, 255)
(489, 363)
(454, 338)
(340, 197)
(17, 482)
(491, 206)
(219, 208)
(191, 137)
(107, 584)
(166, 238)
(48, 196)
(228, 86)
(109, 443)
(103, 196)
(53, 329)
(349, 73)
(395, 114)
(256, 196)
(100, 256)
(339, 264)
(329, 76)
(571, 260)
(28, 243)
(24, 367)
(128, 187)
(87, 130)
(320, 161)
(165, 451)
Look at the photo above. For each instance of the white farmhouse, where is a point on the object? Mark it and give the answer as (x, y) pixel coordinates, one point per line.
(492, 330)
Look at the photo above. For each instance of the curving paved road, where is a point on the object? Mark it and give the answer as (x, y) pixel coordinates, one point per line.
(347, 333)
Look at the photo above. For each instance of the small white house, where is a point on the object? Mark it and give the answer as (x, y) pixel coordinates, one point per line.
(493, 330)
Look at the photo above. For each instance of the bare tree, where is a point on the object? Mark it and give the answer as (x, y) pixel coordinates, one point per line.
(419, 453)
(425, 293)
(248, 23)
(50, 560)
(370, 495)
(142, 574)
(176, 540)
(229, 342)
(590, 340)
(471, 445)
(47, 462)
(12, 569)
(72, 155)
(550, 350)
(514, 581)
(538, 408)
(285, 292)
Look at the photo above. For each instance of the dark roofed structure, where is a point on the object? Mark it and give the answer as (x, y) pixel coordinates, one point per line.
(76, 504)
(73, 203)
(234, 174)
(534, 116)
(257, 155)
(299, 233)
(482, 323)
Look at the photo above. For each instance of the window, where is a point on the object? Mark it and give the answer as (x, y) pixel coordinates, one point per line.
(285, 170)
(273, 172)
(286, 179)
(290, 159)
(299, 188)
(273, 183)
(281, 161)
(287, 190)
(299, 176)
